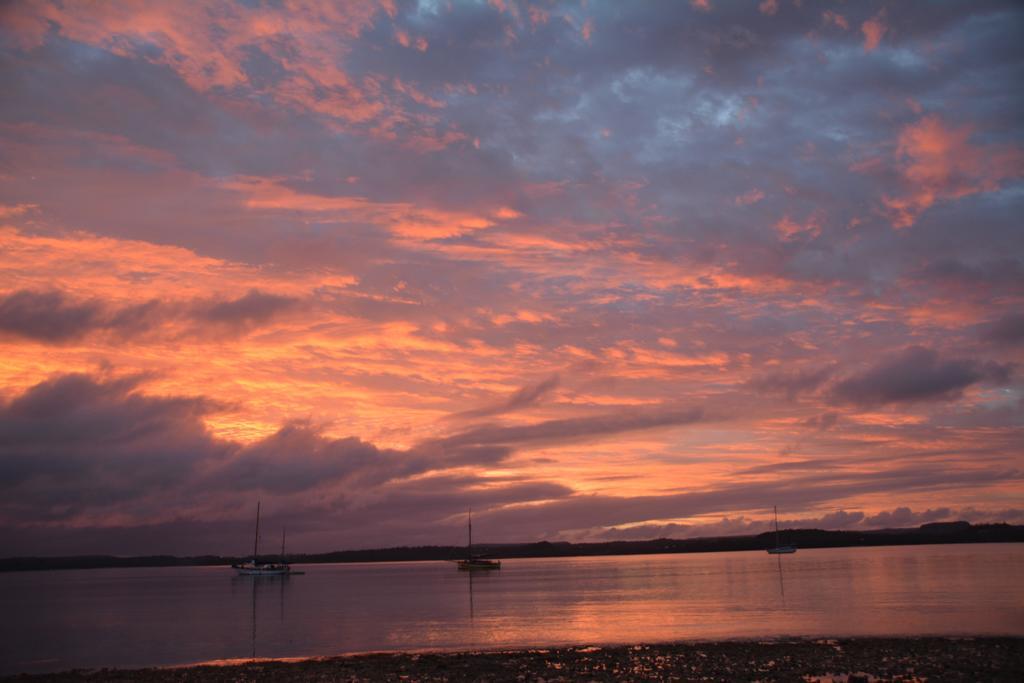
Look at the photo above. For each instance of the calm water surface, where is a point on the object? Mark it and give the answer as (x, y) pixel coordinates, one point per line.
(156, 616)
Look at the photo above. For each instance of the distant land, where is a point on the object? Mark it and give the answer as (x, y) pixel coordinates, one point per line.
(939, 532)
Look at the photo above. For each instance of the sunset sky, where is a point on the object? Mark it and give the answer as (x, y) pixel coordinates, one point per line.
(596, 270)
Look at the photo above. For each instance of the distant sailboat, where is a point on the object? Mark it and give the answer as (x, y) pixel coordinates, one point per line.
(257, 568)
(780, 549)
(475, 563)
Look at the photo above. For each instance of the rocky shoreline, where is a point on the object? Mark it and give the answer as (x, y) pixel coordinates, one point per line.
(844, 659)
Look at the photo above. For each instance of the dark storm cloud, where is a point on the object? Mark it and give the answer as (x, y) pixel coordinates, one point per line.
(46, 316)
(523, 398)
(299, 457)
(792, 383)
(554, 431)
(72, 442)
(54, 318)
(75, 443)
(248, 311)
(1008, 330)
(916, 374)
(1003, 273)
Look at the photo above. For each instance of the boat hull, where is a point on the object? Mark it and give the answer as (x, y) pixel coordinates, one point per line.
(784, 550)
(262, 570)
(478, 565)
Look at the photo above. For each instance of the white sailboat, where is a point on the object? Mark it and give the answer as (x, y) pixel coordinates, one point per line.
(780, 549)
(257, 568)
(475, 563)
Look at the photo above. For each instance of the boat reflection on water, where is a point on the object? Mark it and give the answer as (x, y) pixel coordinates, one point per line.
(782, 585)
(261, 588)
(472, 577)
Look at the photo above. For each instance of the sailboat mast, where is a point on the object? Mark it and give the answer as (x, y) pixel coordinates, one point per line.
(282, 544)
(776, 507)
(256, 541)
(469, 548)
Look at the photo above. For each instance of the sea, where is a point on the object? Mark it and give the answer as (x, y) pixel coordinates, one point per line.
(142, 617)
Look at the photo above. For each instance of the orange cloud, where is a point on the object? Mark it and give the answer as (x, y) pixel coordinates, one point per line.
(750, 197)
(702, 5)
(790, 229)
(938, 162)
(834, 18)
(123, 270)
(873, 30)
(405, 40)
(416, 95)
(401, 218)
(769, 7)
(12, 210)
(507, 213)
(131, 275)
(207, 45)
(522, 316)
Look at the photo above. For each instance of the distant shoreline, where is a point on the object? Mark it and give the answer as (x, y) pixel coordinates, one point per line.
(850, 659)
(937, 533)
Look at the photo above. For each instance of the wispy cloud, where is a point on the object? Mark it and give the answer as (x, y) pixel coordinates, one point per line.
(523, 398)
(917, 374)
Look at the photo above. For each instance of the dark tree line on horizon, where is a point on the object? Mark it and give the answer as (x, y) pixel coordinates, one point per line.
(943, 532)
